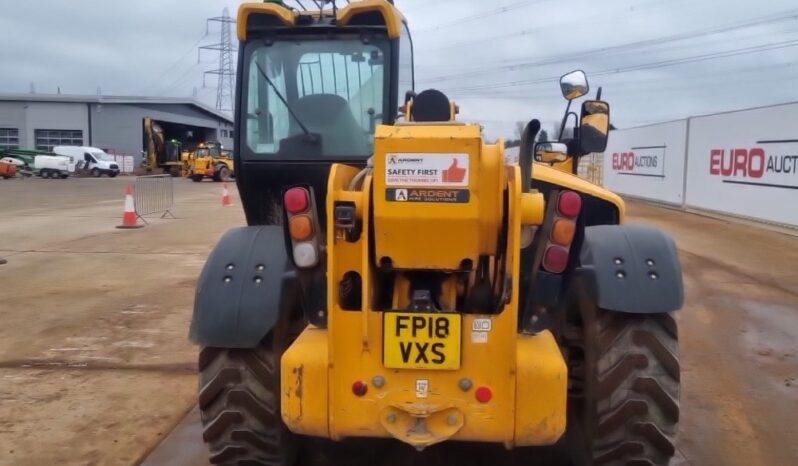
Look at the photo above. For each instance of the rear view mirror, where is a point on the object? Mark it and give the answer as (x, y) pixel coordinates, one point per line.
(551, 152)
(574, 85)
(594, 126)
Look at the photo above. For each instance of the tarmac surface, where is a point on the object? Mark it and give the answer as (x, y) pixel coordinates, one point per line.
(96, 368)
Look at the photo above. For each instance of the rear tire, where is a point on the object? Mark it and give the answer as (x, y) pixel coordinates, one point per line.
(239, 400)
(223, 172)
(628, 377)
(95, 172)
(197, 178)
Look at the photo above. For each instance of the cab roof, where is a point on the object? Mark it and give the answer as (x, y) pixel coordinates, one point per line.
(357, 13)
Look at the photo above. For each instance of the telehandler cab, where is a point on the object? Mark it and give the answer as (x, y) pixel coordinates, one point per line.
(399, 280)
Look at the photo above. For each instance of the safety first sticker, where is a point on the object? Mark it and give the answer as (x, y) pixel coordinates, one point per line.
(425, 169)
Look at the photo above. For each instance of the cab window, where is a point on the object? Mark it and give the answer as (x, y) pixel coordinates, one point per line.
(406, 73)
(334, 89)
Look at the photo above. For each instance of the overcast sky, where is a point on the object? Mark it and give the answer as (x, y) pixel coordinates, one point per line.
(656, 59)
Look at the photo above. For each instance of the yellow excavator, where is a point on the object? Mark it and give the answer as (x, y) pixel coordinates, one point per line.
(398, 279)
(160, 154)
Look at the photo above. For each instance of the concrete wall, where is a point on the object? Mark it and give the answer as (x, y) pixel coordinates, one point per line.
(112, 125)
(120, 126)
(742, 163)
(746, 163)
(648, 161)
(12, 115)
(30, 116)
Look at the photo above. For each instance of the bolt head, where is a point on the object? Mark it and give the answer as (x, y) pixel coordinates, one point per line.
(465, 384)
(620, 274)
(228, 279)
(230, 267)
(452, 419)
(650, 262)
(618, 261)
(391, 418)
(378, 381)
(653, 276)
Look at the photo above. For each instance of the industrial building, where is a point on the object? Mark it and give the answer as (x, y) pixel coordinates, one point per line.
(113, 123)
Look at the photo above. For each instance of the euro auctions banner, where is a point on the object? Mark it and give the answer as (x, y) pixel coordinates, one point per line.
(746, 163)
(647, 161)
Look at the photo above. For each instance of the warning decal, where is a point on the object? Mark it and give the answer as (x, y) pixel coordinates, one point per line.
(450, 196)
(425, 169)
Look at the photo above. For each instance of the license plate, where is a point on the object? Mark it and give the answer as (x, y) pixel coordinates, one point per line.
(417, 340)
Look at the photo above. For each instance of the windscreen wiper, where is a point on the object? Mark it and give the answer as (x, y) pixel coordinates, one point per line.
(310, 136)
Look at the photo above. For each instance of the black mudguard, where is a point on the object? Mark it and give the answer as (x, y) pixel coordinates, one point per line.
(631, 268)
(247, 281)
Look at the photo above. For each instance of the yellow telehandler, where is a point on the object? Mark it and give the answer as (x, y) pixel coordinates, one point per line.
(209, 160)
(397, 279)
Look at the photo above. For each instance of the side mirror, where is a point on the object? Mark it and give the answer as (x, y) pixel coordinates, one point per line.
(594, 126)
(551, 152)
(574, 85)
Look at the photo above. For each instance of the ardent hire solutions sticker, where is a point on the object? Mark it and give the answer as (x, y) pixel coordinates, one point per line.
(452, 196)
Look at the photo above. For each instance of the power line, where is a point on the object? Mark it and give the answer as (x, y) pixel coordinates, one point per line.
(651, 86)
(645, 66)
(480, 16)
(483, 71)
(176, 62)
(181, 79)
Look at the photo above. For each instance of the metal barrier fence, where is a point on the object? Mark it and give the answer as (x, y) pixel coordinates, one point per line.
(155, 194)
(591, 168)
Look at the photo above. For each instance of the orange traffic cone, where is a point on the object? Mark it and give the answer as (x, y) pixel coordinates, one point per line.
(129, 219)
(226, 196)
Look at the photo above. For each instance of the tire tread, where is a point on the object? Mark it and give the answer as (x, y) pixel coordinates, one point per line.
(636, 384)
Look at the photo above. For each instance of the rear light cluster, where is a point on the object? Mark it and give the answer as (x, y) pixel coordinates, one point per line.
(298, 203)
(563, 230)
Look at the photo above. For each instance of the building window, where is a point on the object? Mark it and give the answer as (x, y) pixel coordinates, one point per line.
(231, 133)
(224, 133)
(9, 138)
(46, 139)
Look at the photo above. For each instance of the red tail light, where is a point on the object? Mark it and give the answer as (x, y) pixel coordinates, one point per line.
(359, 388)
(569, 204)
(297, 200)
(555, 260)
(483, 394)
(302, 226)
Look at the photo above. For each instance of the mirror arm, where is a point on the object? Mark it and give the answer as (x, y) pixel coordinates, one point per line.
(525, 155)
(598, 93)
(564, 120)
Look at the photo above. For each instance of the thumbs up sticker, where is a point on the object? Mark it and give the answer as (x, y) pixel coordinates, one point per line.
(454, 174)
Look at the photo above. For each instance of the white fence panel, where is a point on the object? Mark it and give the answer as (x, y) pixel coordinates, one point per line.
(647, 162)
(746, 163)
(125, 163)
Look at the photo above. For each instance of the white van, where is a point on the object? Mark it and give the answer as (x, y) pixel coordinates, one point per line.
(90, 159)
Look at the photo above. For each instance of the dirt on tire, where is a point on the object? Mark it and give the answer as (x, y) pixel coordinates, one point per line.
(632, 390)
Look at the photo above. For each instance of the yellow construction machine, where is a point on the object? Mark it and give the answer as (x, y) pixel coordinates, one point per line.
(209, 160)
(398, 279)
(158, 152)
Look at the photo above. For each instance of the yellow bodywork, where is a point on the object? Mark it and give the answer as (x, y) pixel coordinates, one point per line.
(455, 207)
(526, 374)
(287, 17)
